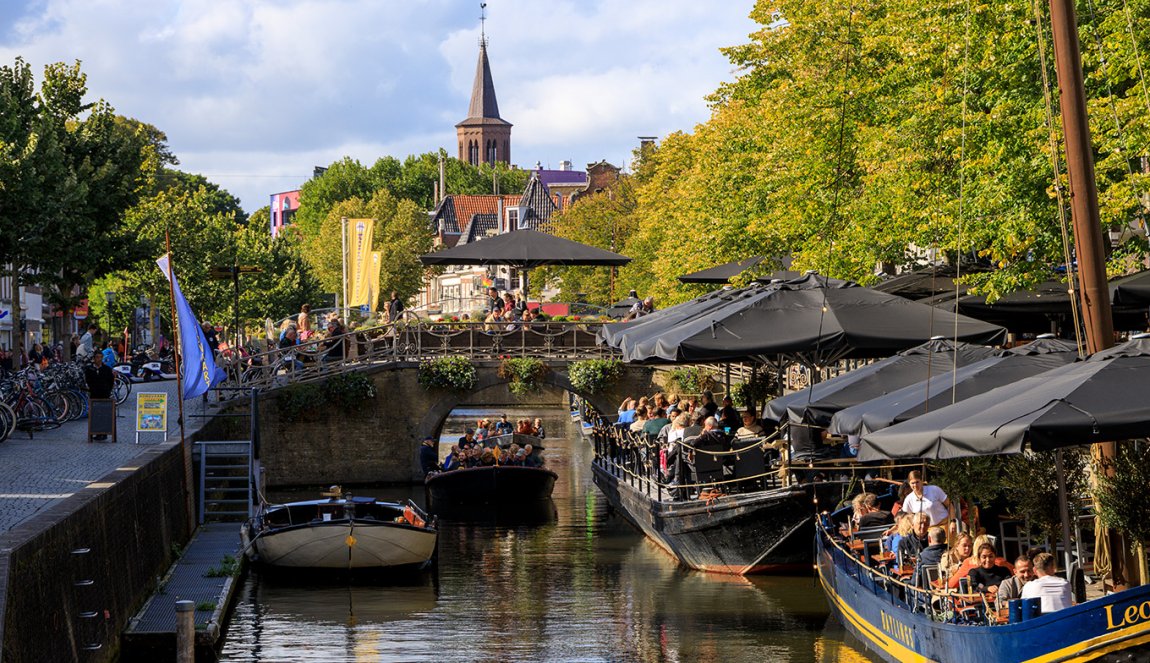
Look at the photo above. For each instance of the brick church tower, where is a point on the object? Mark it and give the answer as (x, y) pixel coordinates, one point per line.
(484, 137)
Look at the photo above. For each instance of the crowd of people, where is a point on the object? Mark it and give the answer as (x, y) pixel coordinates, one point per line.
(479, 446)
(680, 428)
(920, 544)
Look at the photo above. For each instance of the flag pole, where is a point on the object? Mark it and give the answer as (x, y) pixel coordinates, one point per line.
(186, 450)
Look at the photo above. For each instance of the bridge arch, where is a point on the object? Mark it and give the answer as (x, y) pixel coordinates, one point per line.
(378, 442)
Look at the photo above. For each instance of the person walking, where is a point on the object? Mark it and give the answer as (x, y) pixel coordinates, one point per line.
(394, 307)
(86, 348)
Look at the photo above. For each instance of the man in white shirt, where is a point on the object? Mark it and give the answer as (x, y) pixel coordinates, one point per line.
(1052, 590)
(927, 499)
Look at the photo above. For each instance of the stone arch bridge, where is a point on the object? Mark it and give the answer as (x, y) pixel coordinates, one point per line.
(378, 443)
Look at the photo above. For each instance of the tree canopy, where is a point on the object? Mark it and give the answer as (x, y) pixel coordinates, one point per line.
(881, 133)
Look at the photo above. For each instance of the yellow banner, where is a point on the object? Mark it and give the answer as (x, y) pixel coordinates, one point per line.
(151, 412)
(359, 267)
(376, 267)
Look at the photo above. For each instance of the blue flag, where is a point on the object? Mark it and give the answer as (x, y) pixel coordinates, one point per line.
(197, 365)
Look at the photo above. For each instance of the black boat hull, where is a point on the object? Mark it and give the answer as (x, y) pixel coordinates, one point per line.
(490, 485)
(769, 531)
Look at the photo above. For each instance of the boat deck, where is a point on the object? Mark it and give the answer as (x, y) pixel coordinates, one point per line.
(200, 576)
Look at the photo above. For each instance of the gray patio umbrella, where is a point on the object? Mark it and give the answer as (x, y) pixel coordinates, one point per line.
(524, 249)
(816, 404)
(1098, 400)
(628, 333)
(812, 318)
(721, 273)
(1133, 290)
(952, 386)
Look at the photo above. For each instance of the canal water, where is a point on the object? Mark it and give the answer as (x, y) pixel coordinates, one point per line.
(570, 582)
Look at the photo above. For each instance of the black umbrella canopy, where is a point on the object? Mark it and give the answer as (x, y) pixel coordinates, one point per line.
(816, 404)
(628, 333)
(1133, 290)
(524, 249)
(622, 307)
(950, 387)
(1098, 400)
(813, 317)
(721, 273)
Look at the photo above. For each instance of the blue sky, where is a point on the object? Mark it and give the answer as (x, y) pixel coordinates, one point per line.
(254, 93)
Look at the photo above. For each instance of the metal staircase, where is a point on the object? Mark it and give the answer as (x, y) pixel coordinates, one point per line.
(225, 480)
(227, 468)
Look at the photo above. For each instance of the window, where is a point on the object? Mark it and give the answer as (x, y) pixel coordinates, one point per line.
(473, 153)
(512, 217)
(491, 152)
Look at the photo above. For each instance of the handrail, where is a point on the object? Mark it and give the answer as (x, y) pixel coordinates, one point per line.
(414, 339)
(924, 599)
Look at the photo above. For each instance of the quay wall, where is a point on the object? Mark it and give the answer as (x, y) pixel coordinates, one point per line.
(378, 442)
(130, 521)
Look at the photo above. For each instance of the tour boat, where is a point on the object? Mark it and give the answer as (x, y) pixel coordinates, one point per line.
(901, 623)
(493, 484)
(341, 532)
(766, 528)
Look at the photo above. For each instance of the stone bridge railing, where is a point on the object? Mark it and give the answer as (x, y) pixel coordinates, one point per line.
(413, 341)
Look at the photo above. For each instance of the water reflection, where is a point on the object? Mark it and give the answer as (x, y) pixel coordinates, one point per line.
(576, 584)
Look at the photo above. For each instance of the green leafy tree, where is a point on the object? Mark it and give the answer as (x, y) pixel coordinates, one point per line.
(605, 219)
(401, 235)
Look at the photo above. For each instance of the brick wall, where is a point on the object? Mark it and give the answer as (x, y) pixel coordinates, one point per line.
(130, 521)
(378, 442)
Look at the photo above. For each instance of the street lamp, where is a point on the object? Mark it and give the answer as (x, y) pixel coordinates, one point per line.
(110, 296)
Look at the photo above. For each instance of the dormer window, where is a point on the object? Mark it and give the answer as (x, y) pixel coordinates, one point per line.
(512, 217)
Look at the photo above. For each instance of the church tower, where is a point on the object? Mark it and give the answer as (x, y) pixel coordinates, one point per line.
(484, 137)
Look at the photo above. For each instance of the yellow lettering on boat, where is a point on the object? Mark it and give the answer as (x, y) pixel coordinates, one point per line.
(897, 630)
(1133, 614)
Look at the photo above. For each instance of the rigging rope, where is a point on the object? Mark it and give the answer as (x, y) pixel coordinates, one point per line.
(1052, 143)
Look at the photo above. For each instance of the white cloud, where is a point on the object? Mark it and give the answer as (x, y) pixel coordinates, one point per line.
(253, 93)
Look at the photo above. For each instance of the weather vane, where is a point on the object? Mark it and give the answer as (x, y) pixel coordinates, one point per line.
(482, 23)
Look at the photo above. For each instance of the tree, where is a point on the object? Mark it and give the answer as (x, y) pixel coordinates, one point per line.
(68, 170)
(401, 235)
(605, 219)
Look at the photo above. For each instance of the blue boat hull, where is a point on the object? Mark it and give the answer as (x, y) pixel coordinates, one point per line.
(1109, 628)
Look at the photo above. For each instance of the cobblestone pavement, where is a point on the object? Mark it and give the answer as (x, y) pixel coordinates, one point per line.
(52, 465)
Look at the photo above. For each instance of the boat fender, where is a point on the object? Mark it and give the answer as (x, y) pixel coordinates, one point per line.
(410, 516)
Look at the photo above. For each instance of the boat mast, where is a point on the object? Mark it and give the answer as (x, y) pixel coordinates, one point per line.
(1088, 248)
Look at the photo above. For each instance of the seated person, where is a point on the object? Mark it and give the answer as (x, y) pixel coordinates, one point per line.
(640, 419)
(653, 426)
(524, 427)
(971, 563)
(503, 426)
(530, 458)
(872, 516)
(488, 458)
(1011, 588)
(987, 576)
(468, 439)
(902, 528)
(961, 551)
(931, 555)
(452, 460)
(910, 546)
(1052, 590)
(750, 427)
(538, 428)
(729, 419)
(626, 412)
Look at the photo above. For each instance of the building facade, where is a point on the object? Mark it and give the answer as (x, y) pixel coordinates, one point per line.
(281, 209)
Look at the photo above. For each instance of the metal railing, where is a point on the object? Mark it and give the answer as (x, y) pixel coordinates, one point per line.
(634, 458)
(414, 340)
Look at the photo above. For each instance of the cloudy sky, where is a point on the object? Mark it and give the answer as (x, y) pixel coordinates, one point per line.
(254, 93)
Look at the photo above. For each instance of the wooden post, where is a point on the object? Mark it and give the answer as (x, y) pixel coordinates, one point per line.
(185, 632)
(1088, 249)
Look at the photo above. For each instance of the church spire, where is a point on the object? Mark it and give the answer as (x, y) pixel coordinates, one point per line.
(483, 102)
(484, 137)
